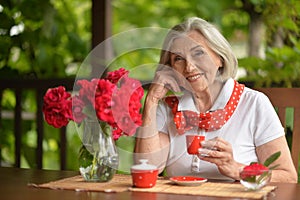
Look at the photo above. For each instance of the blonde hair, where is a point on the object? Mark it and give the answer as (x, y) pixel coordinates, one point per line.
(215, 41)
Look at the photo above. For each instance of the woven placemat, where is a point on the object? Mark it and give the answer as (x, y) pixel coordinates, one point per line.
(208, 189)
(121, 183)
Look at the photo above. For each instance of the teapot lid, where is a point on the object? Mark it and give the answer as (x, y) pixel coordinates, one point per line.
(144, 165)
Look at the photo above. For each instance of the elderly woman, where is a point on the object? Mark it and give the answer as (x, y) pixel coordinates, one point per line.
(198, 65)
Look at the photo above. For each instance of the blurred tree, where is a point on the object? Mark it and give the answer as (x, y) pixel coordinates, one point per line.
(280, 65)
(283, 21)
(255, 9)
(41, 39)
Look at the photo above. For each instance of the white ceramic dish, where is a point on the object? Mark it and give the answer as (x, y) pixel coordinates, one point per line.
(188, 180)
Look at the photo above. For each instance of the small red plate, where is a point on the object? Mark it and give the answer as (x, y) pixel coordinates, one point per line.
(188, 180)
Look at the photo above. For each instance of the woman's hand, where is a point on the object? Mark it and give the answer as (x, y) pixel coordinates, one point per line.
(219, 152)
(163, 81)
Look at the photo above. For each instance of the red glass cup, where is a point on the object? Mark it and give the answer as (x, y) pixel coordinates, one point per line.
(193, 143)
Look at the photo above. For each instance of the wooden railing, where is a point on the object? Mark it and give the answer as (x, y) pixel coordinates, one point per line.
(39, 87)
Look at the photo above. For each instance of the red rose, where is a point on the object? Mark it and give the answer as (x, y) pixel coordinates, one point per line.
(87, 90)
(59, 114)
(117, 132)
(103, 100)
(103, 108)
(133, 87)
(105, 87)
(125, 122)
(56, 95)
(114, 76)
(55, 119)
(118, 107)
(127, 107)
(57, 107)
(253, 170)
(77, 109)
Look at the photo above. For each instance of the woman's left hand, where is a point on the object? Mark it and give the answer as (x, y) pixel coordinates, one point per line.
(219, 152)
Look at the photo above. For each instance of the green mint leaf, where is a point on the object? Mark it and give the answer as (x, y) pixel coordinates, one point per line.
(272, 158)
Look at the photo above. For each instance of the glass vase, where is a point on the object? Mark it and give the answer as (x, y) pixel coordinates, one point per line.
(98, 156)
(256, 179)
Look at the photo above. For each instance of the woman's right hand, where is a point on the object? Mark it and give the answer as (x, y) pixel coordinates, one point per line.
(164, 80)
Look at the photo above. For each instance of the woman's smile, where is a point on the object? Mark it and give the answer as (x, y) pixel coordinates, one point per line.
(194, 77)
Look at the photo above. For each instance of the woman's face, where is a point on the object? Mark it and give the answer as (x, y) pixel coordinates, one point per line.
(192, 58)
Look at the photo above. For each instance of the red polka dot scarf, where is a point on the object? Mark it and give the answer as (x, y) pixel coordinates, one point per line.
(210, 120)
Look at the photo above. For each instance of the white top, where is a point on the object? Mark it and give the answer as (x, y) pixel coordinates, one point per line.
(253, 123)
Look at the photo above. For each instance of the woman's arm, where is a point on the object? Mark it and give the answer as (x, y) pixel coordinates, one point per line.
(286, 171)
(150, 144)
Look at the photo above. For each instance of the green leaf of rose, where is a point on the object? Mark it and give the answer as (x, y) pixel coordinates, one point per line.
(272, 158)
(250, 179)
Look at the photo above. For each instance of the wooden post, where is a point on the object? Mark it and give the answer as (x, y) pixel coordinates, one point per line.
(17, 126)
(40, 128)
(101, 30)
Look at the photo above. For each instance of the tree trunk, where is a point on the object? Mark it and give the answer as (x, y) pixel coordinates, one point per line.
(277, 38)
(256, 29)
(256, 35)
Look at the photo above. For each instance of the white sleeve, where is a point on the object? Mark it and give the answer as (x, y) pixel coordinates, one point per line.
(267, 124)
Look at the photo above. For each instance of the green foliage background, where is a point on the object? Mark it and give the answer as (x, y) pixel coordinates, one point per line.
(51, 38)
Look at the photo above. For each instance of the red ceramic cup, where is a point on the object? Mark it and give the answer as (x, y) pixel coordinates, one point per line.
(193, 143)
(144, 175)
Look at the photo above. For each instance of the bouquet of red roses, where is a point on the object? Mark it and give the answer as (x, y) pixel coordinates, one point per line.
(115, 100)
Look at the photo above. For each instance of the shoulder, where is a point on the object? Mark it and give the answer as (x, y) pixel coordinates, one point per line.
(254, 96)
(255, 102)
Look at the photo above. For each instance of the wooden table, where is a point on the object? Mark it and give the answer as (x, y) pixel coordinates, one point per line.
(13, 186)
